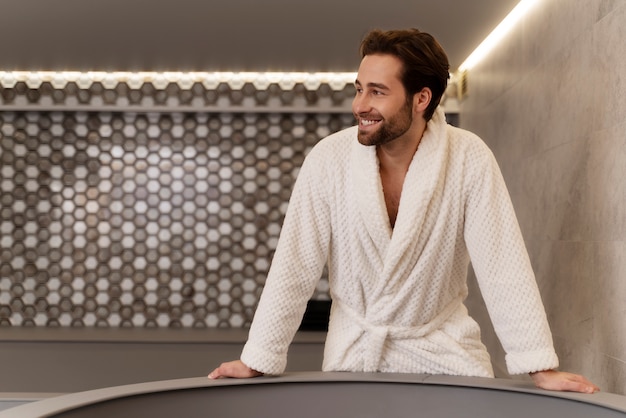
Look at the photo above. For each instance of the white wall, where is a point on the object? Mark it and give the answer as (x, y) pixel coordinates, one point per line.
(551, 103)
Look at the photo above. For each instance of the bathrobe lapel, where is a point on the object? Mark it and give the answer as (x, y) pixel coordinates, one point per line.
(398, 249)
(420, 195)
(373, 226)
(370, 224)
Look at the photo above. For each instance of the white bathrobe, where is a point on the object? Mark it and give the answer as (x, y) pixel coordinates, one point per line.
(398, 293)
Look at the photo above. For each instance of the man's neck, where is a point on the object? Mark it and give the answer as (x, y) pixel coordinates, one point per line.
(396, 156)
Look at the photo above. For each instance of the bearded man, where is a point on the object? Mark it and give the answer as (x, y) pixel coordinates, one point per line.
(397, 207)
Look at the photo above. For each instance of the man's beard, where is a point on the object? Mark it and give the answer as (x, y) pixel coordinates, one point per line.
(389, 129)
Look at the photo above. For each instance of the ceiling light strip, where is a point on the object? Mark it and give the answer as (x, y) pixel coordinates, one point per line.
(185, 80)
(522, 8)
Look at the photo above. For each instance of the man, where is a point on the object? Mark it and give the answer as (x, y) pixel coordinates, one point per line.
(398, 206)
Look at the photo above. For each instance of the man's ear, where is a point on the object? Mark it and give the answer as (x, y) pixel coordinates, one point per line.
(421, 100)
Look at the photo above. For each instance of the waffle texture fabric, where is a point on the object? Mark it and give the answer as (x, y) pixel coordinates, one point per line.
(398, 293)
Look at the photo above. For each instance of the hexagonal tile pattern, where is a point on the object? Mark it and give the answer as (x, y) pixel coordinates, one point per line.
(146, 219)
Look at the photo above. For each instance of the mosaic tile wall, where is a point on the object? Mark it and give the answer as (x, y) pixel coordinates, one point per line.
(148, 218)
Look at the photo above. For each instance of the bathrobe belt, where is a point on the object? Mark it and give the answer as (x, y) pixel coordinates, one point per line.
(377, 334)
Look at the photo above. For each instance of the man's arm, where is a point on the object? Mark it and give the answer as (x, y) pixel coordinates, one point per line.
(296, 268)
(508, 285)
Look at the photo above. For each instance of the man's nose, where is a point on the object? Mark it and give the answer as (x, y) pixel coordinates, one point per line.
(360, 104)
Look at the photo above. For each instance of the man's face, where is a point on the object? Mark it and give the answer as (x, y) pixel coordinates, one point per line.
(380, 106)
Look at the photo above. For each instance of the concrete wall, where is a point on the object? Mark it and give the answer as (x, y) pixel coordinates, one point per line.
(551, 103)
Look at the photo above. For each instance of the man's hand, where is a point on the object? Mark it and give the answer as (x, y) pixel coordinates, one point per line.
(555, 380)
(234, 369)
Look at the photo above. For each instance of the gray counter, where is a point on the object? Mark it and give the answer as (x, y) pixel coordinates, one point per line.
(317, 394)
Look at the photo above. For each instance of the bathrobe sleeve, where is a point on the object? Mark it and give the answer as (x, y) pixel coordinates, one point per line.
(504, 272)
(296, 268)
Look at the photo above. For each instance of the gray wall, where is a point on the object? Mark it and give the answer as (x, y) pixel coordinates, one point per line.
(64, 360)
(551, 103)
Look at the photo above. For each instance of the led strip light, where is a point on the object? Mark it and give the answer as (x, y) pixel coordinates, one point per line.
(185, 80)
(518, 12)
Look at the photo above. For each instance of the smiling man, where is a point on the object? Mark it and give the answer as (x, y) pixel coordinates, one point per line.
(397, 207)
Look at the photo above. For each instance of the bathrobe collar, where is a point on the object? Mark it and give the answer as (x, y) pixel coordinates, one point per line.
(421, 183)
